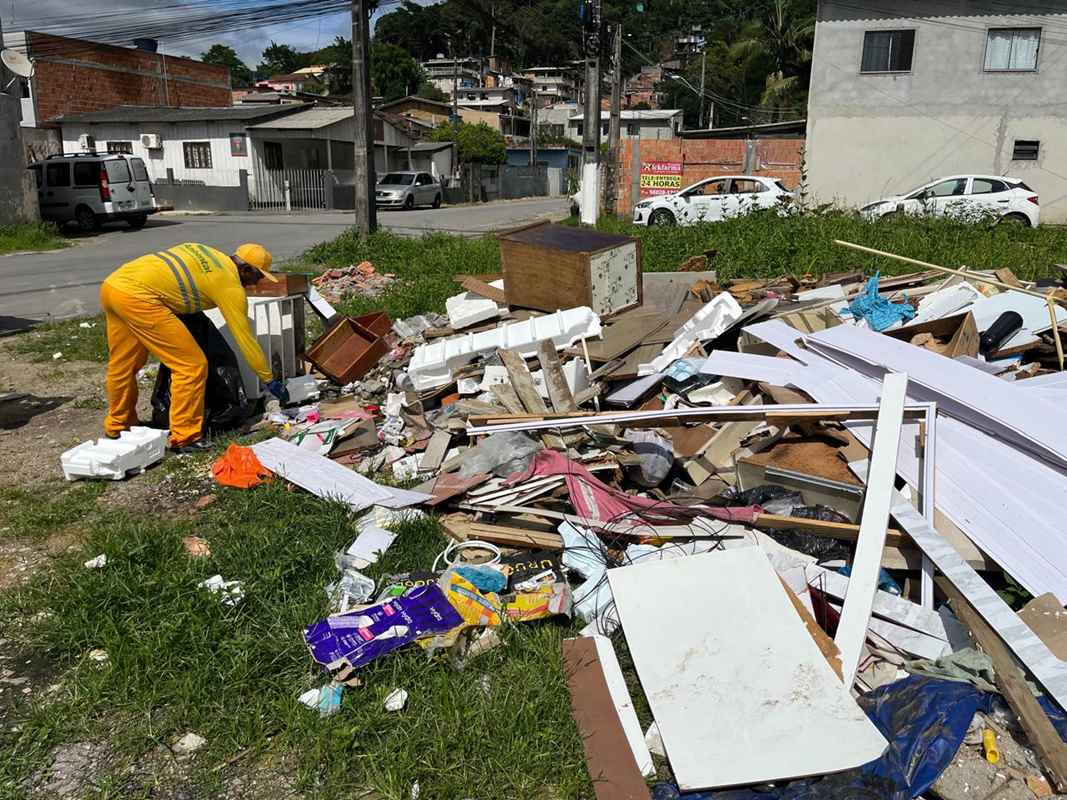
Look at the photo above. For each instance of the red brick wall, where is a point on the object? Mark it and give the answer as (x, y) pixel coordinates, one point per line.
(67, 80)
(707, 158)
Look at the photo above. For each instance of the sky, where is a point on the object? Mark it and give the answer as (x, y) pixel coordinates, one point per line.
(49, 16)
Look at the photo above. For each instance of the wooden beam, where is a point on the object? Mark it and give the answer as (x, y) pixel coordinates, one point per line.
(559, 392)
(1011, 682)
(483, 289)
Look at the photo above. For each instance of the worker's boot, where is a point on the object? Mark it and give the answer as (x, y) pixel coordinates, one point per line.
(199, 446)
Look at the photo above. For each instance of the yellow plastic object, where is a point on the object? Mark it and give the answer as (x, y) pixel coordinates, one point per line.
(989, 744)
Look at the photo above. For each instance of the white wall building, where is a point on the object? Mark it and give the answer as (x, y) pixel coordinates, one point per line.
(664, 123)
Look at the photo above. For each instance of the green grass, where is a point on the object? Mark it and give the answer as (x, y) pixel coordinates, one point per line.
(758, 245)
(180, 661)
(68, 337)
(51, 506)
(30, 237)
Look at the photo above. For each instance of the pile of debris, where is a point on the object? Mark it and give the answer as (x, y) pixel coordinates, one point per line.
(361, 279)
(792, 497)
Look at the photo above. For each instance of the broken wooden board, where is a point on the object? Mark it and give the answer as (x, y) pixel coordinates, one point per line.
(707, 675)
(612, 768)
(819, 636)
(434, 454)
(559, 392)
(1046, 617)
(483, 289)
(1011, 681)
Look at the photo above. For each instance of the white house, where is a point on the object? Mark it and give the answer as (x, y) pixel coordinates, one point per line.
(663, 123)
(201, 145)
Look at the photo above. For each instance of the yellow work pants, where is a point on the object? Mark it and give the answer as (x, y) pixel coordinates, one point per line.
(135, 328)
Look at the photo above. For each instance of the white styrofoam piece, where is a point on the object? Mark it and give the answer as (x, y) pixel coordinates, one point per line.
(134, 451)
(980, 400)
(1033, 310)
(867, 563)
(302, 388)
(624, 705)
(946, 302)
(328, 479)
(576, 374)
(1010, 512)
(468, 308)
(494, 375)
(730, 690)
(887, 606)
(1050, 672)
(432, 363)
(770, 369)
(834, 291)
(320, 303)
(707, 323)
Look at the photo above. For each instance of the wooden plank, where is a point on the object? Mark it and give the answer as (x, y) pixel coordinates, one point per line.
(867, 562)
(844, 531)
(625, 333)
(1011, 682)
(822, 639)
(483, 289)
(612, 768)
(558, 390)
(707, 674)
(435, 451)
(522, 383)
(505, 395)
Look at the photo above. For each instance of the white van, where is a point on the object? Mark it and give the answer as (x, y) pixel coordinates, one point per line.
(92, 188)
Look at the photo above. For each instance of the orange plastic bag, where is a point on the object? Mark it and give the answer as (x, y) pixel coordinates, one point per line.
(238, 467)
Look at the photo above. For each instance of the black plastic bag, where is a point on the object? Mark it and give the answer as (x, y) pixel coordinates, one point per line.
(225, 403)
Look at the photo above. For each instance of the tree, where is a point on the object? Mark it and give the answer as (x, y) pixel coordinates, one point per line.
(279, 59)
(240, 74)
(782, 38)
(339, 72)
(427, 91)
(475, 144)
(394, 72)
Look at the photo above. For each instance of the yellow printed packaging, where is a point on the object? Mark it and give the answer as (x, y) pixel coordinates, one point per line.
(548, 600)
(478, 609)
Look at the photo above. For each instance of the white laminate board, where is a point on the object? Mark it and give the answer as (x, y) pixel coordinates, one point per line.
(776, 371)
(1007, 503)
(732, 675)
(905, 639)
(1050, 672)
(980, 400)
(1033, 310)
(867, 563)
(328, 479)
(624, 705)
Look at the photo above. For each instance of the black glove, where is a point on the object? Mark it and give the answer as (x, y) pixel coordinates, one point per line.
(277, 388)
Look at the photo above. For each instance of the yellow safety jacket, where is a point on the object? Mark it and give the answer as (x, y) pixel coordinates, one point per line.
(189, 278)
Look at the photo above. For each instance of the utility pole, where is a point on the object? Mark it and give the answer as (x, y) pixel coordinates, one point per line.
(455, 82)
(616, 120)
(591, 124)
(363, 136)
(703, 66)
(533, 129)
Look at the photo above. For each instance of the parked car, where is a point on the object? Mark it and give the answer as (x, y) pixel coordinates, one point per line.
(407, 190)
(965, 196)
(92, 188)
(712, 200)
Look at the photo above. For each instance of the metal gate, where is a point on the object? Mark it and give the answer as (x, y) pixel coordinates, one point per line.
(289, 190)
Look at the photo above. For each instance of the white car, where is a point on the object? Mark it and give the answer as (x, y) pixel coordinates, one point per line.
(967, 197)
(712, 200)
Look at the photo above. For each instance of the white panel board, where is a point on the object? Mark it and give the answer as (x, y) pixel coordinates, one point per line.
(867, 563)
(328, 479)
(737, 685)
(620, 696)
(776, 371)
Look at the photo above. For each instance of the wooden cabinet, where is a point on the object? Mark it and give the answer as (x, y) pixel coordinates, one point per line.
(551, 267)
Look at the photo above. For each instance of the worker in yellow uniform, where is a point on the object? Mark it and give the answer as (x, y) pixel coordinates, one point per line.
(141, 301)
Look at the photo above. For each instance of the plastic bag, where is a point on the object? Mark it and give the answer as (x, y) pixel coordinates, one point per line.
(225, 403)
(501, 454)
(238, 467)
(656, 454)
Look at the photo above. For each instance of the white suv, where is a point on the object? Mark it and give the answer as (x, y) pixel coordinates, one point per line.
(714, 199)
(969, 197)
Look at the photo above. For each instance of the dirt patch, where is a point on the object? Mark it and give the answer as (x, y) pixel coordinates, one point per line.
(75, 768)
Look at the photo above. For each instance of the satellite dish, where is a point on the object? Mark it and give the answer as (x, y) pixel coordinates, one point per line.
(17, 62)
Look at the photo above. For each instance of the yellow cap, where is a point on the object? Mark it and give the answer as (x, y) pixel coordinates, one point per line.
(258, 257)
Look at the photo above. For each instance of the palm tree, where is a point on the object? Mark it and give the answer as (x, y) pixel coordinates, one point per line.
(782, 39)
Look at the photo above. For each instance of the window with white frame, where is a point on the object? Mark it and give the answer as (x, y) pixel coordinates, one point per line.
(887, 51)
(197, 155)
(120, 147)
(1012, 49)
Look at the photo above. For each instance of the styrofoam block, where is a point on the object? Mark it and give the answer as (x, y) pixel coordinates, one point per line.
(494, 375)
(577, 374)
(432, 364)
(467, 308)
(134, 451)
(707, 323)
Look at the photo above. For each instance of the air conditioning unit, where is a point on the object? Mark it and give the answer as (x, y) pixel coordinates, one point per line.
(151, 141)
(87, 142)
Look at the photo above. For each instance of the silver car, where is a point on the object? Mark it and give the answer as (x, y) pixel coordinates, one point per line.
(407, 190)
(92, 188)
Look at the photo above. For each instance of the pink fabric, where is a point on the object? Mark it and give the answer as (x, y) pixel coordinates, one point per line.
(594, 499)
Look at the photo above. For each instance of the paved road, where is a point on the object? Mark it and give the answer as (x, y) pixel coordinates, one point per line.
(65, 283)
